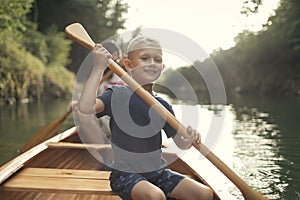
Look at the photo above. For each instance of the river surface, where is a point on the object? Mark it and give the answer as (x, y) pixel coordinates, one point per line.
(260, 141)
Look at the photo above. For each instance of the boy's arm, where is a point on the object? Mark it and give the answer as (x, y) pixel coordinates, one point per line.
(184, 143)
(88, 103)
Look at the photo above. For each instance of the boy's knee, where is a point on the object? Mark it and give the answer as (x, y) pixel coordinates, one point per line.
(208, 194)
(155, 194)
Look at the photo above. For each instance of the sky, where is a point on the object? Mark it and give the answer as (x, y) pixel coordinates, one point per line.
(212, 24)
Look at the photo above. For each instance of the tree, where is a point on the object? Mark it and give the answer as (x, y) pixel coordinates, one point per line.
(13, 16)
(251, 6)
(267, 61)
(263, 62)
(101, 18)
(30, 62)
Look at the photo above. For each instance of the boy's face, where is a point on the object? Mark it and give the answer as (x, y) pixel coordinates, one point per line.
(145, 65)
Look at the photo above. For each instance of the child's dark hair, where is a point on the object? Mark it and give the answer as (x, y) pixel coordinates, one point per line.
(111, 47)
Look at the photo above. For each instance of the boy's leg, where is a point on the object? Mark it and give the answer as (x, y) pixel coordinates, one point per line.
(146, 190)
(134, 186)
(191, 189)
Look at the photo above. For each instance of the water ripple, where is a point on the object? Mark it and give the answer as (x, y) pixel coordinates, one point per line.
(257, 157)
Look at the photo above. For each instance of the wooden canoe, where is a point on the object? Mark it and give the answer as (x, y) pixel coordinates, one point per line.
(63, 168)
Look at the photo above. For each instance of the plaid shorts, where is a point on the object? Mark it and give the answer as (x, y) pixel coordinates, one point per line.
(123, 182)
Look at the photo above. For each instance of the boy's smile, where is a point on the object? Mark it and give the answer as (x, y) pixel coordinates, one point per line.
(151, 69)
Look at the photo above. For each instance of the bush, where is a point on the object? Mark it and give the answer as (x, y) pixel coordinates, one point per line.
(21, 73)
(58, 81)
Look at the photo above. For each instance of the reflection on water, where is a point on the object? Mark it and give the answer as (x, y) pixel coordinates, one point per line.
(258, 157)
(18, 123)
(261, 138)
(253, 142)
(266, 138)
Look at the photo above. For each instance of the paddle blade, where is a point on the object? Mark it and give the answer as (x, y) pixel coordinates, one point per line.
(78, 33)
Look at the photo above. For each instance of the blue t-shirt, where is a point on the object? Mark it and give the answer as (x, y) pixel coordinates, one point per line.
(136, 130)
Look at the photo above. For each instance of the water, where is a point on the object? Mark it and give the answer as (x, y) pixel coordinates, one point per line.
(263, 140)
(267, 141)
(18, 123)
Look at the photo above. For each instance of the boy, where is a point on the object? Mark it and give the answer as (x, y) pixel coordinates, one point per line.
(138, 168)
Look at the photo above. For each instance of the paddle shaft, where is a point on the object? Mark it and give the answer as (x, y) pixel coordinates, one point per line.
(79, 34)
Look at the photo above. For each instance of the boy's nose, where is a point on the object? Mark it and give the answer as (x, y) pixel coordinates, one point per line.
(151, 65)
(152, 61)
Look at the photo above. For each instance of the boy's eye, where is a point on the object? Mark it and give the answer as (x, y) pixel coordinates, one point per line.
(158, 59)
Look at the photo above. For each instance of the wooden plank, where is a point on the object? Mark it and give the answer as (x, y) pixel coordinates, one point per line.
(65, 173)
(14, 195)
(60, 181)
(70, 145)
(57, 185)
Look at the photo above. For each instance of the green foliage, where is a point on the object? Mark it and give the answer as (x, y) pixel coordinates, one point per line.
(266, 62)
(12, 17)
(36, 43)
(21, 74)
(102, 19)
(251, 6)
(58, 81)
(34, 51)
(58, 47)
(51, 47)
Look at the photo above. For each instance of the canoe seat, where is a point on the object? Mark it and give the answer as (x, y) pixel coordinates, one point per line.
(70, 145)
(60, 181)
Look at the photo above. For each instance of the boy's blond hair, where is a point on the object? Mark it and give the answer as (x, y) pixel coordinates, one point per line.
(142, 42)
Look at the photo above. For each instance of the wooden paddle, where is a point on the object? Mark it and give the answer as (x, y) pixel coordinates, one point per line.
(77, 33)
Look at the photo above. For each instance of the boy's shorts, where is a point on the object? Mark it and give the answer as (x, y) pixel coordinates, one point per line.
(123, 182)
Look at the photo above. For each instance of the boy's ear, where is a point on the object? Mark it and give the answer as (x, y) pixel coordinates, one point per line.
(127, 64)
